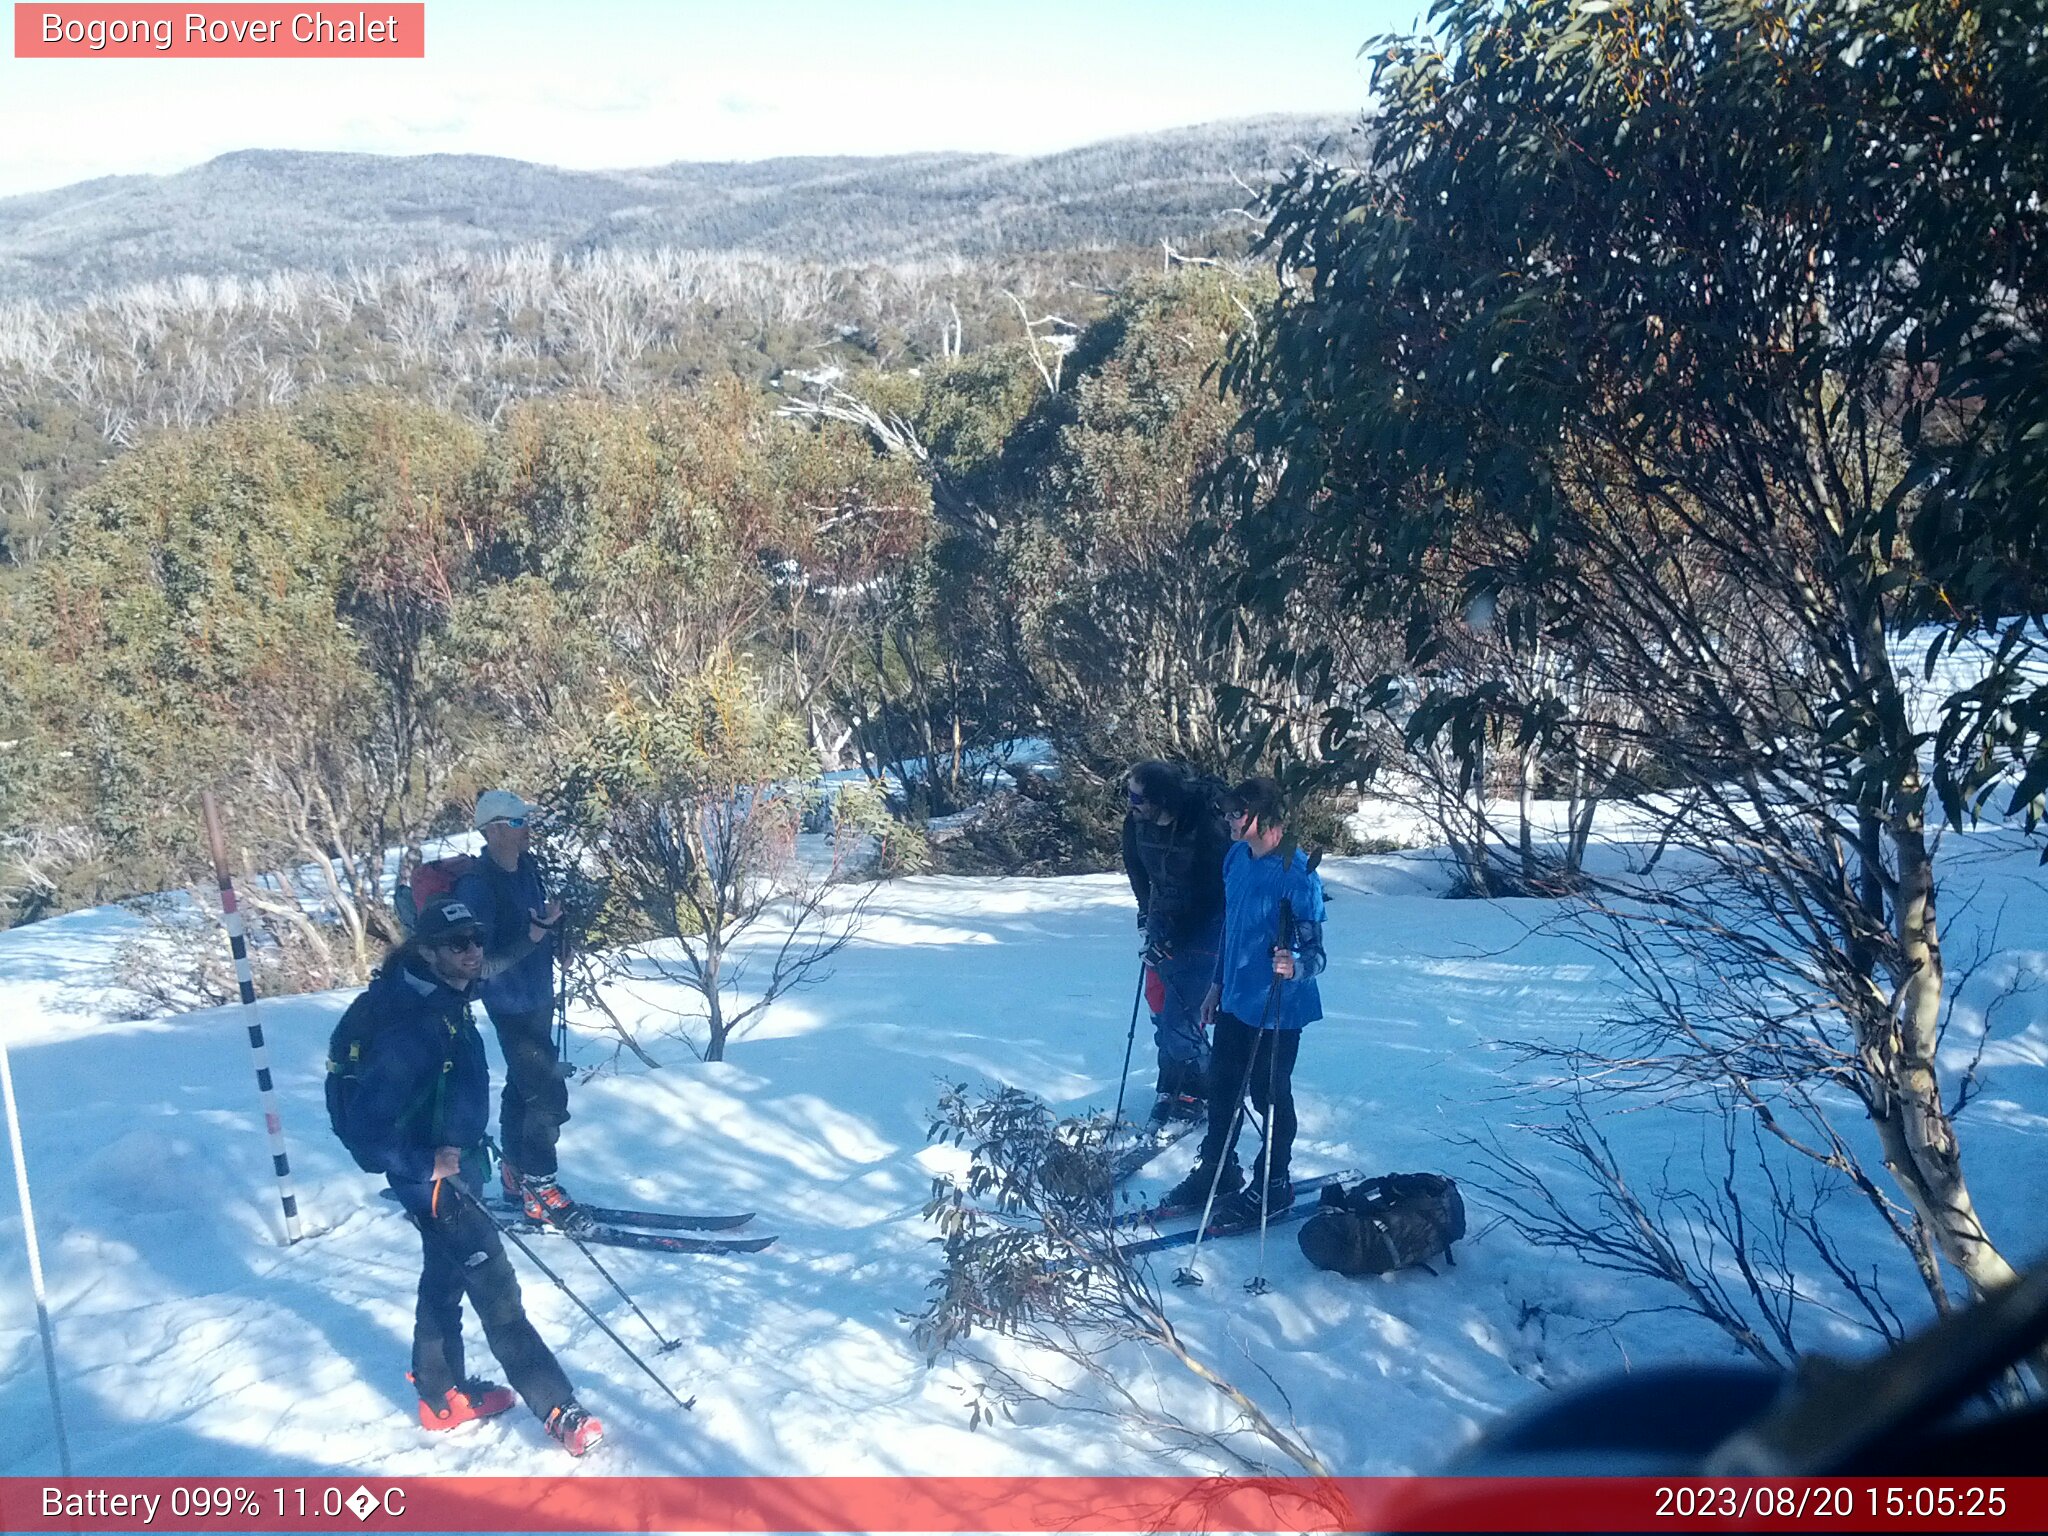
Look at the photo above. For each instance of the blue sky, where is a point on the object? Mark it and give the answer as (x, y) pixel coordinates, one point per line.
(640, 82)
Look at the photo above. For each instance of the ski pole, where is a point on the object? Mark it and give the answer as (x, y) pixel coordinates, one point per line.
(1257, 1285)
(561, 1009)
(562, 993)
(583, 1248)
(35, 1259)
(1189, 1274)
(563, 1286)
(1130, 1040)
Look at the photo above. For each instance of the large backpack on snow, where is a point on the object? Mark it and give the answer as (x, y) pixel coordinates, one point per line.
(1380, 1225)
(432, 881)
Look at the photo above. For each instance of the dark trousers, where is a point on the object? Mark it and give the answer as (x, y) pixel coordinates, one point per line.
(1259, 1062)
(1183, 980)
(536, 1097)
(464, 1257)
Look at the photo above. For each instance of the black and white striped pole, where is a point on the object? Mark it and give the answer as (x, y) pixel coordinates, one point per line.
(238, 945)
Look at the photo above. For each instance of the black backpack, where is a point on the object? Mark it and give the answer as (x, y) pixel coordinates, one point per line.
(1205, 792)
(1380, 1225)
(346, 1048)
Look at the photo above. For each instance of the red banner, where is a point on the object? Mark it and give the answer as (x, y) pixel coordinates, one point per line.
(1050, 1504)
(229, 31)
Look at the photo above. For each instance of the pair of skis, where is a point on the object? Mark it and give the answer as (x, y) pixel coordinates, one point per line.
(650, 1231)
(1152, 1140)
(1221, 1224)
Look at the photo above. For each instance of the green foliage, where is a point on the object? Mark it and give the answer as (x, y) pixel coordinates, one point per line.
(1322, 821)
(1638, 296)
(1068, 826)
(861, 811)
(965, 413)
(1091, 576)
(691, 804)
(192, 591)
(684, 797)
(375, 609)
(1011, 1276)
(49, 448)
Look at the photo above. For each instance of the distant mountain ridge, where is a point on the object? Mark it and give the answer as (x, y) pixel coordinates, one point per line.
(256, 211)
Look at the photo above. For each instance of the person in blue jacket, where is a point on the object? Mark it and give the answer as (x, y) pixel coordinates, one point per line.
(504, 889)
(1263, 994)
(418, 1110)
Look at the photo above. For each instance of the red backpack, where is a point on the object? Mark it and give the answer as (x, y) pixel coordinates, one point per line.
(432, 881)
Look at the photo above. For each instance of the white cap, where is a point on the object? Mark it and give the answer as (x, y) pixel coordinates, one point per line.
(499, 804)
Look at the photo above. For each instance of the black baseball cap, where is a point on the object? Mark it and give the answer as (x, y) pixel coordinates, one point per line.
(447, 919)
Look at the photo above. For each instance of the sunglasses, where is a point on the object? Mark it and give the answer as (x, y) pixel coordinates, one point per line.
(454, 946)
(1137, 799)
(1234, 817)
(507, 821)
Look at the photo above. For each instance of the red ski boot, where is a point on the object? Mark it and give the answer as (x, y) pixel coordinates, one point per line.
(576, 1430)
(470, 1400)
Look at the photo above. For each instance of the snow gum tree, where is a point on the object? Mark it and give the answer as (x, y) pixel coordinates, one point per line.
(689, 805)
(1671, 301)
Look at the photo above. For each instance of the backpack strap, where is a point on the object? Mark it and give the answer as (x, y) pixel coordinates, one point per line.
(440, 1089)
(436, 1093)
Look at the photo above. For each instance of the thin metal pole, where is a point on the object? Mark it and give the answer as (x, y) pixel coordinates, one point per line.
(1116, 1119)
(35, 1258)
(238, 946)
(583, 1248)
(563, 1286)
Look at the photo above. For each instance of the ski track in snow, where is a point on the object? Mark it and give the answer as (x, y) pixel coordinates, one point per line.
(192, 1343)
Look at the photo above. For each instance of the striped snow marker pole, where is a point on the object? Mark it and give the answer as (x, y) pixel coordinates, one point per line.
(35, 1257)
(238, 946)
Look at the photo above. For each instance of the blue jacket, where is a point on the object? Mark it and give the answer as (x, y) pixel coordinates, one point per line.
(504, 902)
(424, 1081)
(1252, 892)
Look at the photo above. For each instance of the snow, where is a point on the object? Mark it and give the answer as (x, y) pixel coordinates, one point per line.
(192, 1342)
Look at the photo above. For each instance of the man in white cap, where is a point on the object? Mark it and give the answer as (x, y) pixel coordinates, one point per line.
(504, 890)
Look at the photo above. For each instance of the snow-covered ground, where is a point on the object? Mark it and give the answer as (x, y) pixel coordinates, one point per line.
(192, 1342)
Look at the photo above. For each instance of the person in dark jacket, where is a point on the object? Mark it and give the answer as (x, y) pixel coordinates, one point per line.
(504, 889)
(1263, 995)
(419, 1111)
(1174, 842)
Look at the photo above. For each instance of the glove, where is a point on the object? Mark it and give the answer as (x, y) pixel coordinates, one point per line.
(1157, 954)
(1141, 922)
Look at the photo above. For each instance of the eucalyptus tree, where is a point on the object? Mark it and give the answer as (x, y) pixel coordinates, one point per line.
(1638, 333)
